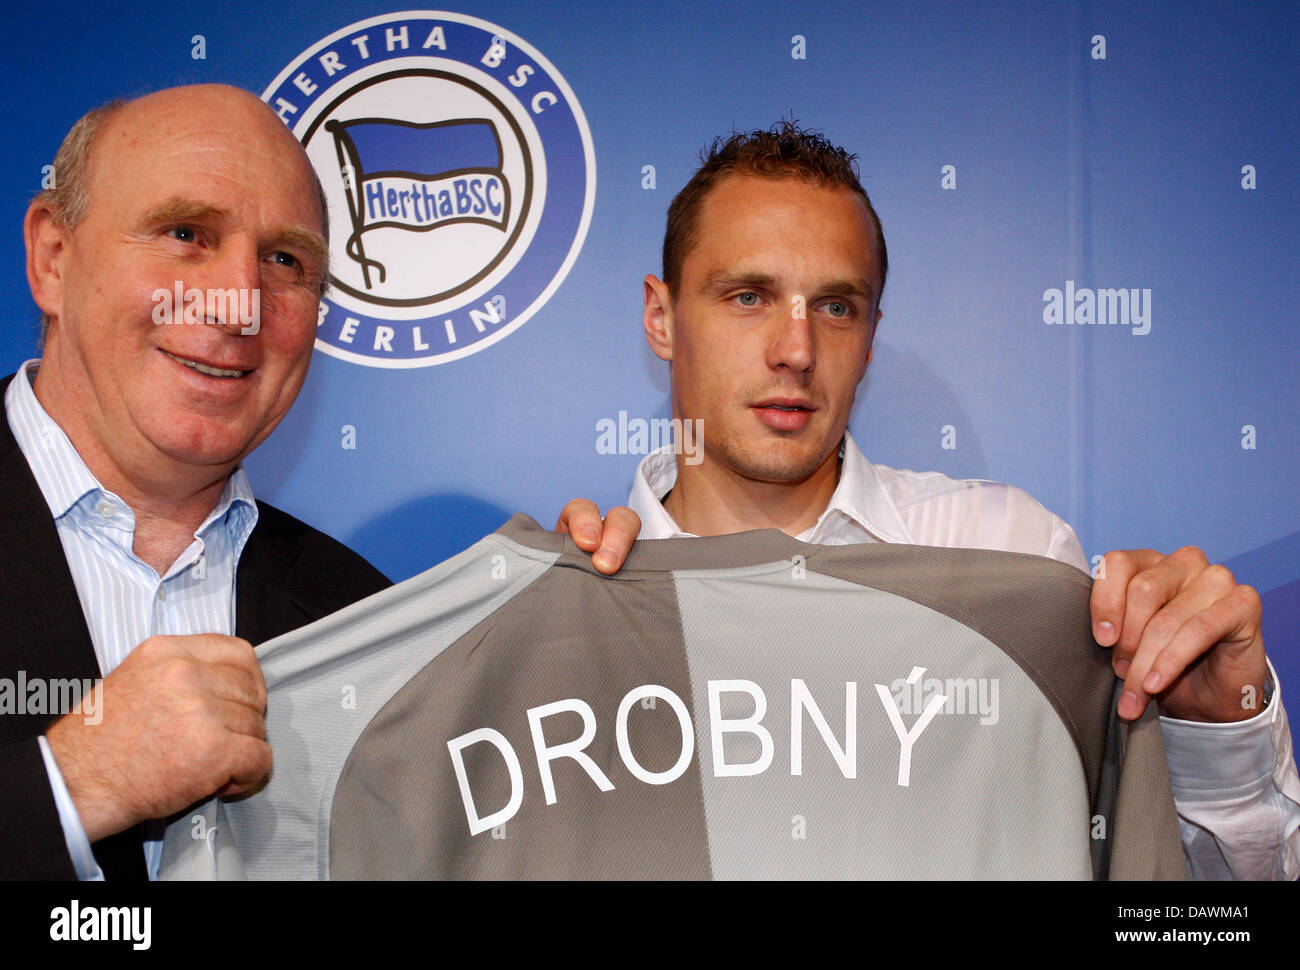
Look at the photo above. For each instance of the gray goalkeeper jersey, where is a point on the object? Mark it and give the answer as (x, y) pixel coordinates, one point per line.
(745, 706)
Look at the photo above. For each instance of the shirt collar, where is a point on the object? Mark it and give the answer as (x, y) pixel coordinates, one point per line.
(64, 479)
(859, 497)
(61, 475)
(236, 504)
(655, 477)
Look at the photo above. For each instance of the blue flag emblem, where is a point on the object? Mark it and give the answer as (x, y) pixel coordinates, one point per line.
(417, 177)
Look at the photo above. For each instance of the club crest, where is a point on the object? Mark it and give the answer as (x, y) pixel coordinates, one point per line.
(460, 176)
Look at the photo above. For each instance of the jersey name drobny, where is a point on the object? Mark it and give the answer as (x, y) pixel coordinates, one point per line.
(739, 707)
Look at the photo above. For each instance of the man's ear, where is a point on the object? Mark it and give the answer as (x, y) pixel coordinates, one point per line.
(45, 247)
(658, 317)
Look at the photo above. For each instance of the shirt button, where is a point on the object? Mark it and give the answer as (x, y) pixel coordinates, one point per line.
(106, 509)
(162, 593)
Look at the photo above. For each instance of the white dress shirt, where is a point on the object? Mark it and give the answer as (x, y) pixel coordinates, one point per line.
(124, 599)
(1235, 785)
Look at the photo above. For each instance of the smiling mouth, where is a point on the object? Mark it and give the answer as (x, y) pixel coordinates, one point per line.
(207, 369)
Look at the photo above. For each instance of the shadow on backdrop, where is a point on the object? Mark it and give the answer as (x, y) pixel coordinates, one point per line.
(421, 533)
(903, 406)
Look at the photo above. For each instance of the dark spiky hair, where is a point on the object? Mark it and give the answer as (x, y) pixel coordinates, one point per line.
(783, 151)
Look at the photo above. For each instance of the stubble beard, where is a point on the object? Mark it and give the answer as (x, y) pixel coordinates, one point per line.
(778, 463)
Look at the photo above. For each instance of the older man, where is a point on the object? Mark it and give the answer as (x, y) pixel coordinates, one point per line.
(774, 262)
(135, 548)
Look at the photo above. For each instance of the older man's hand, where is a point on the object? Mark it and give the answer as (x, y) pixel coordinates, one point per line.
(182, 719)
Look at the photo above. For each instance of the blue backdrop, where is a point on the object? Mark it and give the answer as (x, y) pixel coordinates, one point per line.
(1009, 148)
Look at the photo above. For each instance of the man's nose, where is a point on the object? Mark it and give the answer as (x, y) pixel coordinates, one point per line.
(232, 285)
(792, 344)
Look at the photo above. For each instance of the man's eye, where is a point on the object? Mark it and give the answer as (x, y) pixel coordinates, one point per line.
(747, 299)
(839, 308)
(285, 259)
(185, 234)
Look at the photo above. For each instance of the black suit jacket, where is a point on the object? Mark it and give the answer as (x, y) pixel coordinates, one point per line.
(289, 575)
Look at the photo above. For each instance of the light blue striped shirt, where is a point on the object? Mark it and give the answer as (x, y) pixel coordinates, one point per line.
(123, 598)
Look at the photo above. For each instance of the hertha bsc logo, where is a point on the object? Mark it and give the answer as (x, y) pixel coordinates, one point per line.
(460, 177)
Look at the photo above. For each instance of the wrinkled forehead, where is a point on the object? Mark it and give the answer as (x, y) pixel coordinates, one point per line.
(225, 151)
